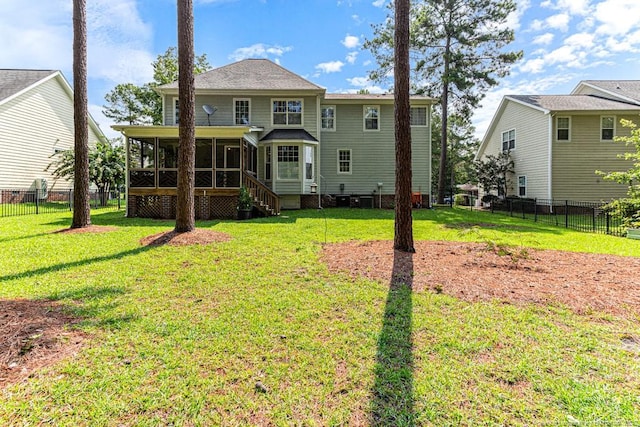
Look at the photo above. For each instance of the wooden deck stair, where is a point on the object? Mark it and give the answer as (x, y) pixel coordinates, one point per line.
(265, 200)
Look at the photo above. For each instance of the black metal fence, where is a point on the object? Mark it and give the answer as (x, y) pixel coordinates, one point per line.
(30, 202)
(581, 216)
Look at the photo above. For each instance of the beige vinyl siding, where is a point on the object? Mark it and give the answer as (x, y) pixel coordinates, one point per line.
(32, 126)
(372, 153)
(531, 153)
(575, 162)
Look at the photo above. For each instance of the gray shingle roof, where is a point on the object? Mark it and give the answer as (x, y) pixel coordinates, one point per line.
(625, 88)
(13, 81)
(371, 97)
(289, 134)
(250, 74)
(573, 102)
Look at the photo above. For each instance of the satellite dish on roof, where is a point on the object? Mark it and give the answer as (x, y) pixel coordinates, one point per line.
(209, 110)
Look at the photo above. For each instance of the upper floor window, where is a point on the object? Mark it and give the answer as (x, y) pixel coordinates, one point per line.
(563, 128)
(287, 112)
(607, 127)
(241, 111)
(509, 140)
(176, 112)
(371, 117)
(418, 116)
(328, 116)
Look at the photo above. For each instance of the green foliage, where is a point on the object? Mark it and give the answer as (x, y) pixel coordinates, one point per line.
(140, 105)
(493, 172)
(245, 200)
(106, 165)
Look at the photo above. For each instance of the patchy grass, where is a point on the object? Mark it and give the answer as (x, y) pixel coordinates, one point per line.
(256, 331)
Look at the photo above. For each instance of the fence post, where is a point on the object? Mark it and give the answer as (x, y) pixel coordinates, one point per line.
(606, 217)
(593, 218)
(70, 195)
(510, 207)
(37, 198)
(535, 210)
(118, 199)
(566, 214)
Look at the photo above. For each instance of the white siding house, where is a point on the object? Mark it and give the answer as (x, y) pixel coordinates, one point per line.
(36, 121)
(557, 142)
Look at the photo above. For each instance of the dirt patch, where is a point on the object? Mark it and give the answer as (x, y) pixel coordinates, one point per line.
(198, 236)
(89, 229)
(33, 334)
(476, 272)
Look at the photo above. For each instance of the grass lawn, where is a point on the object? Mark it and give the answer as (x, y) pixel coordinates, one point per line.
(181, 335)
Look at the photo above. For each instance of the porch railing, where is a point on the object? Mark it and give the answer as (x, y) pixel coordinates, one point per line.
(265, 200)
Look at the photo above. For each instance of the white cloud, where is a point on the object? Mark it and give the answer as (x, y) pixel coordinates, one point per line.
(617, 17)
(363, 83)
(378, 3)
(558, 22)
(581, 40)
(351, 57)
(259, 50)
(534, 66)
(351, 42)
(544, 39)
(330, 67)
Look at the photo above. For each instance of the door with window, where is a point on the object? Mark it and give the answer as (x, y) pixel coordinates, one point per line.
(228, 163)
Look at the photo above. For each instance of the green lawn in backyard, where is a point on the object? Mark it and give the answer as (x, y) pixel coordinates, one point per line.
(180, 335)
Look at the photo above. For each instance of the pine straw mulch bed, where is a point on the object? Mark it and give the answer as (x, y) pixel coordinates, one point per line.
(480, 272)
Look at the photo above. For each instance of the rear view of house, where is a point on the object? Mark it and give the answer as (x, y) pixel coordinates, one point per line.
(260, 126)
(36, 121)
(557, 142)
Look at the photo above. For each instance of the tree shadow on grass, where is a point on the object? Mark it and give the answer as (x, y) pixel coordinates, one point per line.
(393, 401)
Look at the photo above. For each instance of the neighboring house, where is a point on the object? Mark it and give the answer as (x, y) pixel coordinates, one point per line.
(36, 121)
(293, 145)
(557, 142)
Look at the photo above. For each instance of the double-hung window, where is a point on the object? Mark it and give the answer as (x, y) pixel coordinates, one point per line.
(607, 128)
(287, 112)
(288, 162)
(328, 116)
(242, 111)
(344, 161)
(176, 111)
(509, 140)
(563, 128)
(522, 186)
(418, 116)
(371, 117)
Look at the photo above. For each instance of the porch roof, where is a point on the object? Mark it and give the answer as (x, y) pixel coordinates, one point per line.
(289, 135)
(173, 131)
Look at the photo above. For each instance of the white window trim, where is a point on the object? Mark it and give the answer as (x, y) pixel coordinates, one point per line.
(614, 127)
(569, 129)
(426, 116)
(333, 129)
(515, 140)
(350, 161)
(173, 110)
(287, 100)
(525, 185)
(364, 118)
(234, 110)
(274, 150)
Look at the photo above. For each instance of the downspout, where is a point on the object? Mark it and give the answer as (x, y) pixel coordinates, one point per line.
(550, 160)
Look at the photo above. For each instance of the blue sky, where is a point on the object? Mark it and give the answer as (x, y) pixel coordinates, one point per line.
(564, 41)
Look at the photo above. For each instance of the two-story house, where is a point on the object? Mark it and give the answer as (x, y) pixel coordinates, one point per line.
(557, 142)
(293, 145)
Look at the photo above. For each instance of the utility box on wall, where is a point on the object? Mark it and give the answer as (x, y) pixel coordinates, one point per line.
(343, 201)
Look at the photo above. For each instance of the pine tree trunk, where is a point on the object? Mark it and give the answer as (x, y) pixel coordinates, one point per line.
(185, 209)
(442, 170)
(81, 207)
(403, 239)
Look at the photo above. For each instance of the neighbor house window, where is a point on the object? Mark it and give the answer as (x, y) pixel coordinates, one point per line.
(176, 112)
(288, 162)
(287, 112)
(344, 161)
(371, 117)
(328, 115)
(563, 125)
(607, 127)
(241, 111)
(522, 186)
(418, 116)
(509, 140)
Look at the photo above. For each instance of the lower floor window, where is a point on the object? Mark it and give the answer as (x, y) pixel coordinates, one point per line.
(288, 162)
(522, 186)
(344, 161)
